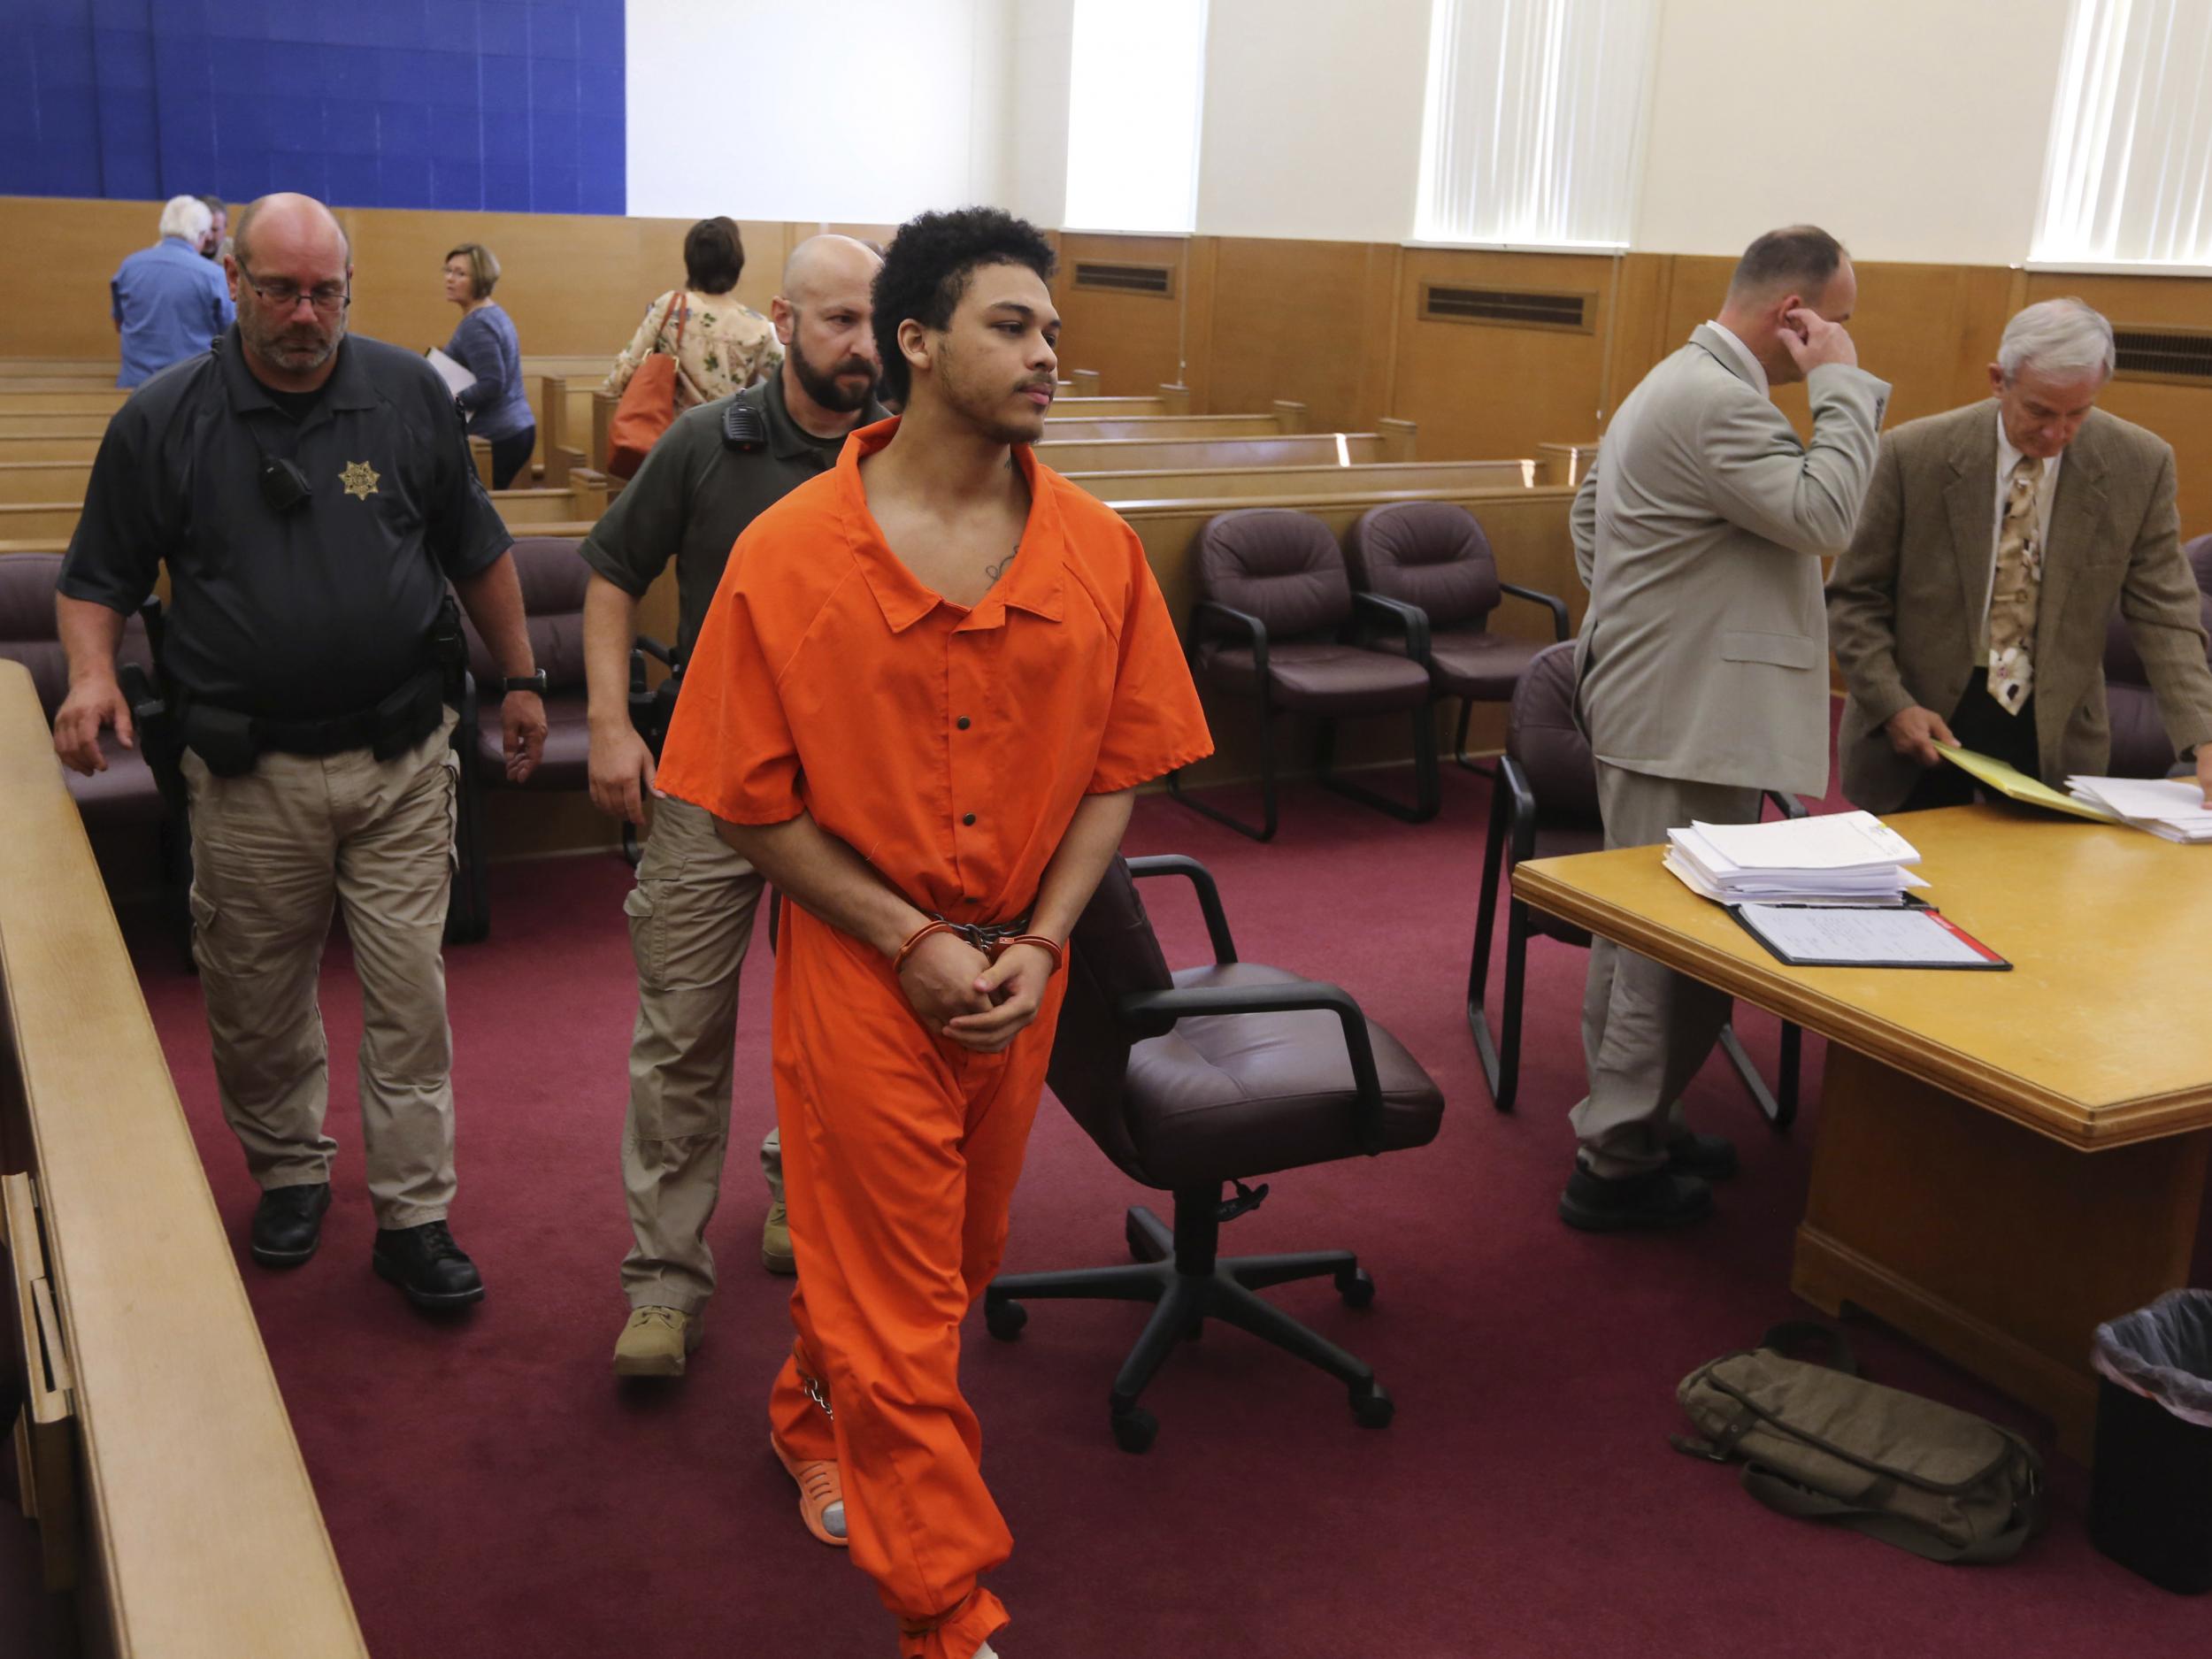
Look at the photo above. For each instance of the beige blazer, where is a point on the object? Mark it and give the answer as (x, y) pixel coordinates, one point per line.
(1906, 604)
(1699, 532)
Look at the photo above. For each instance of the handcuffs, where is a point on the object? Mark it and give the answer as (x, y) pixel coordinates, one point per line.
(988, 937)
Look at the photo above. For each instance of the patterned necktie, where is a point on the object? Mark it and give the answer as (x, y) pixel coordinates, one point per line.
(2012, 595)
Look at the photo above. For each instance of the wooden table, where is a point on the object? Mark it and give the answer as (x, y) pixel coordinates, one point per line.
(2005, 1160)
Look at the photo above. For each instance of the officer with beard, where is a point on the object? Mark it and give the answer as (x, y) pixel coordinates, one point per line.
(691, 913)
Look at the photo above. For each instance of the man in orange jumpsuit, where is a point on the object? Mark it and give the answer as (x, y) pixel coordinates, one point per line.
(926, 689)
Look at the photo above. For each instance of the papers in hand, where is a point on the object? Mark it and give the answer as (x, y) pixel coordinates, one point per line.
(2172, 808)
(1841, 858)
(458, 379)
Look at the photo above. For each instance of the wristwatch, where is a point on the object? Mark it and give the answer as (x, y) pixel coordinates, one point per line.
(526, 682)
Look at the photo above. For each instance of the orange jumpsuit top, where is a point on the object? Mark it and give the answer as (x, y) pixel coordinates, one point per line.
(949, 748)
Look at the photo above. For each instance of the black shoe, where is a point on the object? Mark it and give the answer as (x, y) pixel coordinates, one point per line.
(1712, 1156)
(1660, 1199)
(425, 1261)
(288, 1223)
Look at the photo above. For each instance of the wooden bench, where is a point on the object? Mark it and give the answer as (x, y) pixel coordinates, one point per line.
(98, 370)
(1316, 448)
(1126, 489)
(171, 1496)
(81, 400)
(579, 501)
(45, 447)
(19, 423)
(1285, 419)
(44, 481)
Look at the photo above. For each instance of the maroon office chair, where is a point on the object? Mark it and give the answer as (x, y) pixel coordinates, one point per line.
(1275, 623)
(1433, 555)
(1207, 1076)
(1545, 805)
(2141, 747)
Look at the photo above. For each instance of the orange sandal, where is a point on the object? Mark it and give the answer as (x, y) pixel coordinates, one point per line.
(821, 1496)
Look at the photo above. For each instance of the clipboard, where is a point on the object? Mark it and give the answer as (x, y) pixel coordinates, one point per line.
(1907, 935)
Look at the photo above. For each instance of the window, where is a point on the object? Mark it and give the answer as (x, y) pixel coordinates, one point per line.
(1534, 108)
(2130, 162)
(1135, 84)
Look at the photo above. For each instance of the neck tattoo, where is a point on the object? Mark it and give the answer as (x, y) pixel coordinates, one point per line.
(998, 570)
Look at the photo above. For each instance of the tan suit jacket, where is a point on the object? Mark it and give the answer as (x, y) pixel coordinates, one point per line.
(1699, 532)
(1906, 604)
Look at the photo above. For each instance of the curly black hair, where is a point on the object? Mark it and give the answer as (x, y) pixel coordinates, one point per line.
(926, 271)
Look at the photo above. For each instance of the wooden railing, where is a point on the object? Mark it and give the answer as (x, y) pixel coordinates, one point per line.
(170, 1494)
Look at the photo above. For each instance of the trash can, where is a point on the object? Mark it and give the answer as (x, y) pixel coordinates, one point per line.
(2150, 1495)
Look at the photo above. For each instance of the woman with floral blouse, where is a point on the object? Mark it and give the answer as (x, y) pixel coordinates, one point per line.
(719, 345)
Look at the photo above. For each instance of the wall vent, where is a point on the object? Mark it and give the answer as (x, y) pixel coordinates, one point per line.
(2180, 355)
(1155, 279)
(1506, 308)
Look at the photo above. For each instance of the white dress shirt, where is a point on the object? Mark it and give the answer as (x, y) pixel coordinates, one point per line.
(1751, 365)
(2009, 458)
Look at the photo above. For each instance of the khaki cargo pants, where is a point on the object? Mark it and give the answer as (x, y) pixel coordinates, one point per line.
(271, 852)
(691, 918)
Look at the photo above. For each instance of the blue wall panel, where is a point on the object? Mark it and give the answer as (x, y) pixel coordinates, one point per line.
(505, 105)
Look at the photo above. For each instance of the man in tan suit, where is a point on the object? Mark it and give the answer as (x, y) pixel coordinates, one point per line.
(1703, 665)
(1972, 606)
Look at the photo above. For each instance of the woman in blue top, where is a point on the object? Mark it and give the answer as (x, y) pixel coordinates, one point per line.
(485, 345)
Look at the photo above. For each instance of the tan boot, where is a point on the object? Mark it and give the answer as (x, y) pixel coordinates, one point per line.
(775, 1240)
(656, 1341)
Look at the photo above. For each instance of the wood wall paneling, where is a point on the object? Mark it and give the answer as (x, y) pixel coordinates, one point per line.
(1291, 320)
(1479, 391)
(1135, 340)
(2182, 415)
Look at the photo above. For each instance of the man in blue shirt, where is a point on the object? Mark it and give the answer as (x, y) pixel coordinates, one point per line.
(169, 304)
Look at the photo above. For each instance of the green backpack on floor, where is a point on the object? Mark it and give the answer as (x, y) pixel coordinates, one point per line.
(1822, 1443)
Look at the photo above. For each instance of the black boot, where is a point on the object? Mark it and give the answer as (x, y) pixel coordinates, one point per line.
(425, 1261)
(1659, 1199)
(287, 1223)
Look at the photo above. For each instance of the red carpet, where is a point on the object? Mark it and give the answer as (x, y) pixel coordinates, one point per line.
(491, 1492)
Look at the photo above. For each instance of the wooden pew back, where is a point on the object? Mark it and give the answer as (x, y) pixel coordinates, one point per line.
(1201, 484)
(1125, 455)
(196, 1533)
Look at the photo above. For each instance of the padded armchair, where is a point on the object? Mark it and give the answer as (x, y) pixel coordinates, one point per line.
(1545, 805)
(553, 576)
(2141, 747)
(1433, 555)
(125, 795)
(1190, 1079)
(125, 799)
(1274, 622)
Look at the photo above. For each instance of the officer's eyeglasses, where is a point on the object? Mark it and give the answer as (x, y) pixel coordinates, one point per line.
(329, 299)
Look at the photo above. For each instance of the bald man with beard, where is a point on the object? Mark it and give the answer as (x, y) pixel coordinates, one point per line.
(691, 914)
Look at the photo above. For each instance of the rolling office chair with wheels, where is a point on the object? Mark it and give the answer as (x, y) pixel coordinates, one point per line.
(1201, 1077)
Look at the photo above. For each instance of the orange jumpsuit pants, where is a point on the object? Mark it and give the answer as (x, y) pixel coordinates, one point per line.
(900, 1154)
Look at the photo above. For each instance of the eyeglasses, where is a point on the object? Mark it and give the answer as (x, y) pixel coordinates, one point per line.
(329, 299)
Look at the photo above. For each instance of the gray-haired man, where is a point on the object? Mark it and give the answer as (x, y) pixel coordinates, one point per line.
(1995, 540)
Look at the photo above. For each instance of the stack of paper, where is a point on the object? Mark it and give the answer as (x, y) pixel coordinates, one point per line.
(1843, 858)
(2172, 807)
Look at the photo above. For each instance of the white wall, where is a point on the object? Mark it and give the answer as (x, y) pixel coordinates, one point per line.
(1915, 130)
(860, 111)
(1313, 119)
(1037, 110)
